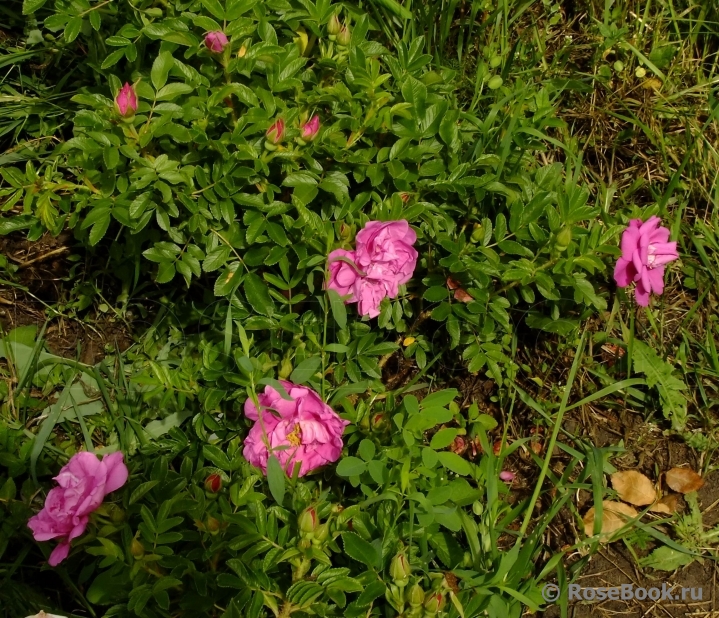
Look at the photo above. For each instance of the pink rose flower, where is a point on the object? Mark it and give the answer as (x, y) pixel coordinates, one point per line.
(126, 101)
(311, 128)
(276, 132)
(83, 484)
(645, 251)
(216, 41)
(384, 259)
(343, 275)
(308, 429)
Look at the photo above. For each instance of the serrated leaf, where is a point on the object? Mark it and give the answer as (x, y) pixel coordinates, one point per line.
(258, 295)
(161, 68)
(362, 551)
(337, 306)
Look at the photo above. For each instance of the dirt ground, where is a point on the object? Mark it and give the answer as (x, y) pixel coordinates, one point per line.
(41, 281)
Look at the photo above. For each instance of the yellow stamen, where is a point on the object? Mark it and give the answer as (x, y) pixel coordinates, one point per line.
(295, 437)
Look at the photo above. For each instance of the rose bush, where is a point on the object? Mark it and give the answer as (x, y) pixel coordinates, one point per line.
(282, 163)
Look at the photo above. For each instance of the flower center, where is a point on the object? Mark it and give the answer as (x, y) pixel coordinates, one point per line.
(295, 436)
(651, 257)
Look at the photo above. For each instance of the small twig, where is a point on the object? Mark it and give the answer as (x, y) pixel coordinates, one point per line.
(40, 258)
(5, 301)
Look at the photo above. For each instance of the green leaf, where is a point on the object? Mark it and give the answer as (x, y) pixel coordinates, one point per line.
(217, 457)
(258, 295)
(367, 449)
(306, 369)
(141, 490)
(172, 91)
(214, 7)
(161, 68)
(30, 6)
(276, 479)
(362, 551)
(216, 258)
(351, 466)
(443, 438)
(72, 29)
(339, 311)
(454, 463)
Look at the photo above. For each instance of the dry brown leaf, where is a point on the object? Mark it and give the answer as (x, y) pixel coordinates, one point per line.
(634, 487)
(684, 480)
(614, 517)
(667, 505)
(452, 283)
(462, 296)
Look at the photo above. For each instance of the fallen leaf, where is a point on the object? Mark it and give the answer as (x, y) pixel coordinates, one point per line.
(452, 283)
(462, 296)
(634, 487)
(667, 505)
(684, 480)
(652, 84)
(614, 516)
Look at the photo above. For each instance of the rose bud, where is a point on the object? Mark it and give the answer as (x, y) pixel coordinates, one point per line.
(564, 238)
(400, 570)
(344, 36)
(216, 41)
(311, 129)
(213, 483)
(276, 132)
(212, 525)
(416, 596)
(126, 101)
(434, 603)
(307, 521)
(334, 26)
(137, 549)
(321, 534)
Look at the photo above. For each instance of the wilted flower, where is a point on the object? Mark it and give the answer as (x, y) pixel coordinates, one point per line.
(308, 429)
(216, 41)
(645, 251)
(276, 131)
(44, 615)
(83, 484)
(311, 128)
(126, 101)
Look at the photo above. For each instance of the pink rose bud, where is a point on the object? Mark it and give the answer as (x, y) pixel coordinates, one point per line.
(506, 476)
(646, 250)
(216, 41)
(311, 129)
(276, 132)
(126, 101)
